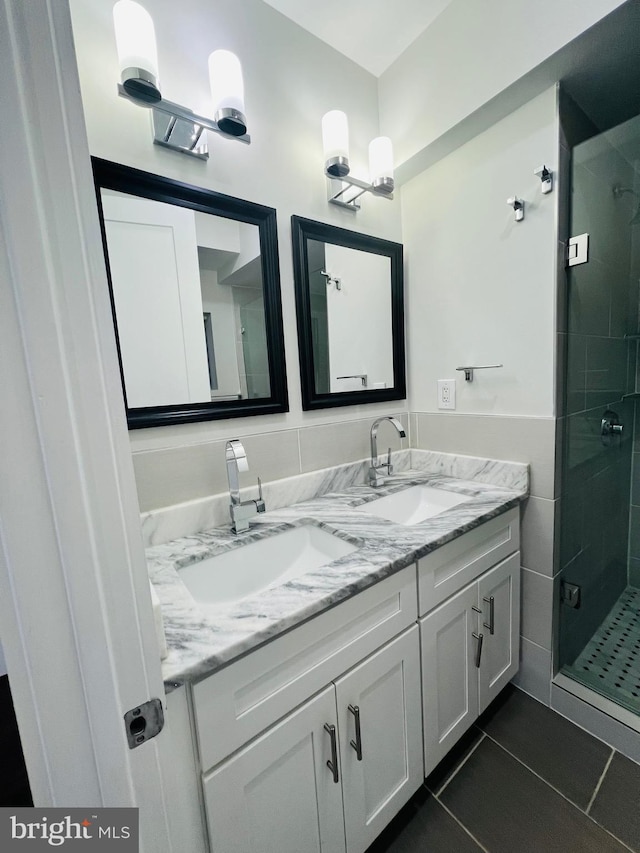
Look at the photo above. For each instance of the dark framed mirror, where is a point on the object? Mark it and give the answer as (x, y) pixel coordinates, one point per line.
(195, 292)
(350, 311)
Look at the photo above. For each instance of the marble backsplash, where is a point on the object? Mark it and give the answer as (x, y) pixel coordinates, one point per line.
(168, 523)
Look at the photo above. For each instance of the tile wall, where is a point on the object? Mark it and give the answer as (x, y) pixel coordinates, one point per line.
(168, 476)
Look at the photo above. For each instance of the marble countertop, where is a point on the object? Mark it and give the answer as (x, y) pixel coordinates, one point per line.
(202, 639)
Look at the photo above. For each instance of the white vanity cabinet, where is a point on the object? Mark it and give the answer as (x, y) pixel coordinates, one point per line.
(314, 741)
(470, 641)
(277, 792)
(277, 795)
(381, 763)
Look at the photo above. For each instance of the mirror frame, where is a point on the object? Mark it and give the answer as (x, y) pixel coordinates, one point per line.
(303, 230)
(125, 179)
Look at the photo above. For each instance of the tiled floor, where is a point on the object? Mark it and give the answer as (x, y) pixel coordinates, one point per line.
(523, 780)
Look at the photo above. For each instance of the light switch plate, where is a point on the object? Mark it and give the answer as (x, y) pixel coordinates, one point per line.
(446, 393)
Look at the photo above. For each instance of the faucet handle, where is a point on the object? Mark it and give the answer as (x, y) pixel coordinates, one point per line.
(389, 465)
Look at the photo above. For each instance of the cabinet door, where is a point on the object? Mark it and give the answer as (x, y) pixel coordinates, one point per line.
(500, 651)
(384, 693)
(449, 673)
(277, 795)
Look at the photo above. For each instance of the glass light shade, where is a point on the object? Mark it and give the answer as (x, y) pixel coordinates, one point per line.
(135, 40)
(227, 86)
(335, 134)
(335, 142)
(380, 158)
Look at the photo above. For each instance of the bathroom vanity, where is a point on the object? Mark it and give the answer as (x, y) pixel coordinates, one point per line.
(318, 704)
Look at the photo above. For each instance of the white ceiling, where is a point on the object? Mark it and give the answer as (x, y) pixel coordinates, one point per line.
(371, 32)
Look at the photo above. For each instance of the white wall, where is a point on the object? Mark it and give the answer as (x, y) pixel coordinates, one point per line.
(463, 68)
(481, 287)
(291, 80)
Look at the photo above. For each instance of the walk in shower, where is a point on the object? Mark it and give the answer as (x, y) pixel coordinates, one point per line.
(599, 614)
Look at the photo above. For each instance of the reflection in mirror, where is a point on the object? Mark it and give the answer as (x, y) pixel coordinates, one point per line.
(344, 284)
(199, 329)
(350, 316)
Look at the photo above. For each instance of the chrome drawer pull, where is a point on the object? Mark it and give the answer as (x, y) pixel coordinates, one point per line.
(479, 638)
(333, 763)
(357, 743)
(491, 603)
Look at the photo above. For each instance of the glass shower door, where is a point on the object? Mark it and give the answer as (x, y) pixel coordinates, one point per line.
(599, 643)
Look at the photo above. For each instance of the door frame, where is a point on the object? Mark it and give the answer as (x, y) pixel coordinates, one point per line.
(75, 609)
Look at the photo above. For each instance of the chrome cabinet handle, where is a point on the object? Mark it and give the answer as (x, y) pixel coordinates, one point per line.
(357, 743)
(479, 638)
(490, 601)
(333, 763)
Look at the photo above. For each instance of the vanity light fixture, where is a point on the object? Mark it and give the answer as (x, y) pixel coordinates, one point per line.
(175, 126)
(345, 190)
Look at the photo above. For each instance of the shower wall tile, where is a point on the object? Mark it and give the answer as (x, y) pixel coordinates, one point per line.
(562, 344)
(606, 367)
(575, 125)
(570, 525)
(596, 210)
(635, 479)
(634, 571)
(601, 581)
(564, 196)
(634, 535)
(576, 373)
(589, 297)
(623, 317)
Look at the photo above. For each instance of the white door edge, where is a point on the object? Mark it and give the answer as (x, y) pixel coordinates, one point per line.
(77, 626)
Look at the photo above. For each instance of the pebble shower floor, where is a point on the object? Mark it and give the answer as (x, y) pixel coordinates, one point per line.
(610, 662)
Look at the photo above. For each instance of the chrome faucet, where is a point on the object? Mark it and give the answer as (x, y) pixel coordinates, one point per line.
(241, 511)
(375, 478)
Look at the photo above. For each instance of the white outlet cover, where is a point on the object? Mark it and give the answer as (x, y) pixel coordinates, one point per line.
(446, 393)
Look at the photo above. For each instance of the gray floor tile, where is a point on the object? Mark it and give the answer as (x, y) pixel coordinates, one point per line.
(507, 808)
(438, 778)
(567, 757)
(616, 805)
(431, 830)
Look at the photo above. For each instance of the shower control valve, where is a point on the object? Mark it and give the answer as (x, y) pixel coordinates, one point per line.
(609, 426)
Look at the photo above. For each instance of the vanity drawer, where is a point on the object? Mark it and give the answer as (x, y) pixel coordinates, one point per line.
(234, 705)
(446, 570)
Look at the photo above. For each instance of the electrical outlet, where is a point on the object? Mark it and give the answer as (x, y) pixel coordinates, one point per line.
(446, 393)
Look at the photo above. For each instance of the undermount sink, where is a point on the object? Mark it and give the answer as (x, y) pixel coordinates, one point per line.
(250, 569)
(415, 504)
